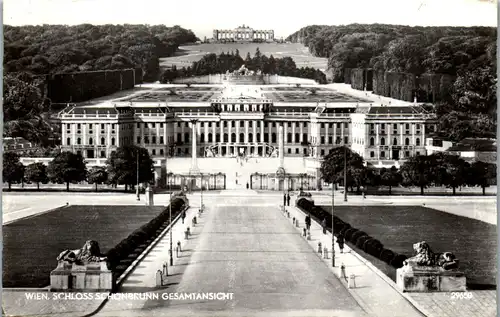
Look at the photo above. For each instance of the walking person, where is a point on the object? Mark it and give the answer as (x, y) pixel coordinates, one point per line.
(340, 241)
(284, 200)
(308, 222)
(323, 224)
(288, 199)
(183, 216)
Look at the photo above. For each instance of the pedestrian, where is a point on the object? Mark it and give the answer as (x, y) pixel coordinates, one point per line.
(183, 216)
(308, 222)
(284, 200)
(288, 199)
(340, 241)
(323, 224)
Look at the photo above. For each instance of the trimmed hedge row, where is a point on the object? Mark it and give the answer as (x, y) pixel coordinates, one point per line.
(355, 236)
(142, 236)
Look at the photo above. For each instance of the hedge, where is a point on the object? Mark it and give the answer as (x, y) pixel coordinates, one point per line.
(355, 236)
(143, 235)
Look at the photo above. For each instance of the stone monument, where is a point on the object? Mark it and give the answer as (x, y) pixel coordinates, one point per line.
(430, 272)
(82, 269)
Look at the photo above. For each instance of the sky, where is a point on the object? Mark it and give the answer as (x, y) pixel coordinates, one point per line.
(283, 16)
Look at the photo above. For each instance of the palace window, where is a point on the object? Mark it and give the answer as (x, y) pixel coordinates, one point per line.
(289, 124)
(90, 126)
(407, 141)
(296, 124)
(162, 140)
(407, 126)
(138, 140)
(161, 152)
(258, 137)
(153, 125)
(186, 151)
(154, 140)
(304, 137)
(113, 141)
(304, 151)
(289, 151)
(289, 138)
(103, 154)
(68, 141)
(250, 137)
(102, 126)
(226, 137)
(232, 124)
(187, 125)
(217, 125)
(250, 124)
(186, 137)
(296, 150)
(322, 125)
(258, 124)
(113, 126)
(297, 138)
(68, 126)
(395, 141)
(210, 137)
(202, 138)
(372, 154)
(78, 141)
(382, 141)
(407, 154)
(225, 124)
(274, 124)
(322, 152)
(418, 153)
(178, 124)
(242, 137)
(78, 126)
(346, 139)
(417, 141)
(102, 141)
(330, 140)
(382, 126)
(242, 124)
(273, 138)
(233, 137)
(338, 125)
(153, 152)
(372, 141)
(395, 127)
(179, 137)
(266, 137)
(305, 124)
(330, 125)
(382, 154)
(322, 140)
(146, 140)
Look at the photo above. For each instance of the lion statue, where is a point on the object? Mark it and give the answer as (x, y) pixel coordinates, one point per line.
(425, 257)
(89, 253)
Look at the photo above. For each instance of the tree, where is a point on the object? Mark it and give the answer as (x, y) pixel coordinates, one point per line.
(67, 167)
(97, 175)
(451, 170)
(417, 171)
(36, 172)
(332, 167)
(122, 166)
(481, 173)
(390, 177)
(13, 169)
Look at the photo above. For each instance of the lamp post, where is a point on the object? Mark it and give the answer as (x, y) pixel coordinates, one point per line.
(137, 164)
(201, 196)
(333, 228)
(345, 173)
(170, 214)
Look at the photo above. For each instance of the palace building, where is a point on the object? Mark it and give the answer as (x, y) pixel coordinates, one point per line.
(206, 128)
(243, 34)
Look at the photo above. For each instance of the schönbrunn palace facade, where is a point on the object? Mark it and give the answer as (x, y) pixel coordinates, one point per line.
(212, 122)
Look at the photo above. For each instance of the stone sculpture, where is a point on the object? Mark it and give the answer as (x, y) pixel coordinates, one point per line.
(89, 253)
(425, 257)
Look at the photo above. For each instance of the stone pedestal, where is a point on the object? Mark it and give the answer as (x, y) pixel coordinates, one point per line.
(430, 279)
(89, 277)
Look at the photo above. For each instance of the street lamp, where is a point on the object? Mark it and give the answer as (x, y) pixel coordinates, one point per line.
(137, 164)
(171, 227)
(345, 173)
(201, 195)
(333, 228)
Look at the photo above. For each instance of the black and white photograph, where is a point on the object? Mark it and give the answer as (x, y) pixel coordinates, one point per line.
(222, 158)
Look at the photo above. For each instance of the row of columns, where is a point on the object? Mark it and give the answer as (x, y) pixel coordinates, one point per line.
(248, 35)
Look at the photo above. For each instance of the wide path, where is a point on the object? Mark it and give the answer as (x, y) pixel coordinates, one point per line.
(243, 245)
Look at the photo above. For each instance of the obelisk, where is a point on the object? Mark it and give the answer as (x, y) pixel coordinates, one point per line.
(194, 159)
(281, 145)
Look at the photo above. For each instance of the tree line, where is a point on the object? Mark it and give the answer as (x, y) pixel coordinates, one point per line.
(423, 171)
(53, 49)
(68, 167)
(219, 64)
(454, 67)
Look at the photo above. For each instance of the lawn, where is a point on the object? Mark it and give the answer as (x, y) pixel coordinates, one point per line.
(300, 54)
(31, 245)
(398, 227)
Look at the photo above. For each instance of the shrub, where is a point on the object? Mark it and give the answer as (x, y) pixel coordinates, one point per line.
(349, 232)
(356, 235)
(386, 256)
(373, 247)
(360, 242)
(398, 260)
(345, 228)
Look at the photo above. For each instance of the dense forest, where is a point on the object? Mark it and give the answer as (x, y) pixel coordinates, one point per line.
(219, 64)
(47, 64)
(52, 49)
(454, 67)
